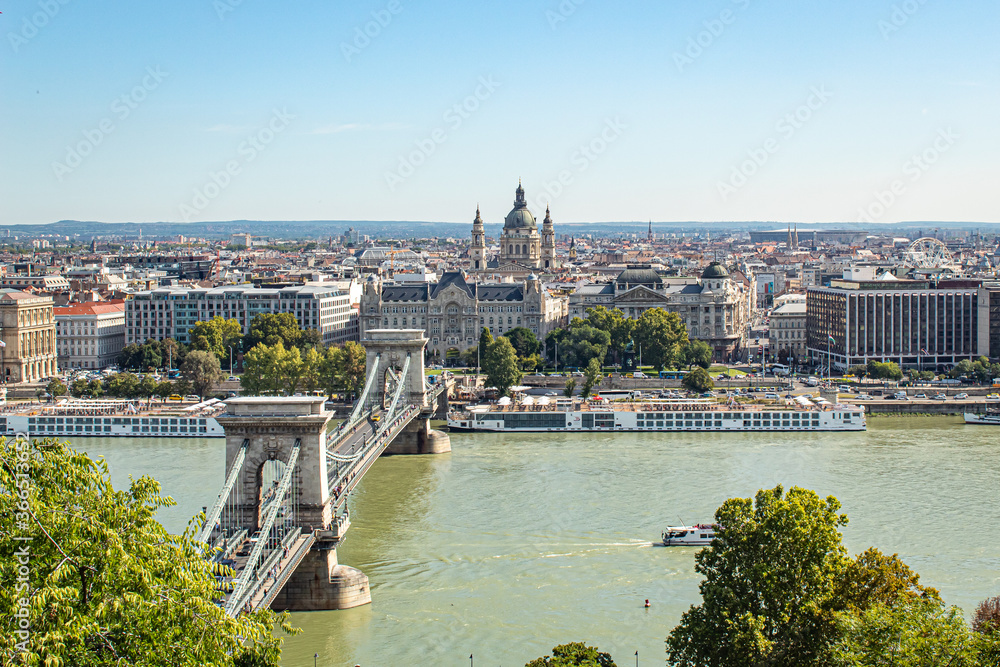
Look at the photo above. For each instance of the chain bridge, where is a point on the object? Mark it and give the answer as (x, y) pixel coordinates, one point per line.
(283, 508)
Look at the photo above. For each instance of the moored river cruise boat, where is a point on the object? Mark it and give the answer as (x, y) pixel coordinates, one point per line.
(111, 418)
(658, 416)
(989, 418)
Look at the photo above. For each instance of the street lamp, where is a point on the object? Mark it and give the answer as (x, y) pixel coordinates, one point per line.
(230, 361)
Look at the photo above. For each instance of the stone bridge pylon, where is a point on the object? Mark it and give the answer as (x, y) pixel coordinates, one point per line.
(390, 347)
(283, 508)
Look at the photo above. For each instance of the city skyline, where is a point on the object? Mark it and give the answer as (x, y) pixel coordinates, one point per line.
(725, 111)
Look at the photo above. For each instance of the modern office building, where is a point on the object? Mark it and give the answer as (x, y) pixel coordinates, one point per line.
(90, 335)
(915, 323)
(170, 312)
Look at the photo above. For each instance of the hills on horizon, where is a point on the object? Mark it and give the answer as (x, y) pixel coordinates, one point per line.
(320, 229)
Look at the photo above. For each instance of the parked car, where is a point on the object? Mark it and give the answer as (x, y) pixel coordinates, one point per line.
(233, 378)
(193, 397)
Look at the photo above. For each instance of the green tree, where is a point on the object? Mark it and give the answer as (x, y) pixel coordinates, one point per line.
(917, 633)
(619, 328)
(272, 328)
(470, 357)
(150, 355)
(202, 370)
(289, 369)
(216, 336)
(769, 578)
(56, 388)
(570, 388)
(575, 654)
(696, 353)
(109, 585)
(312, 365)
(165, 388)
(310, 338)
(858, 371)
(353, 358)
(260, 374)
(698, 380)
(524, 341)
(485, 339)
(95, 389)
(147, 387)
(122, 385)
(964, 367)
(500, 365)
(591, 376)
(581, 343)
(661, 336)
(79, 387)
(885, 371)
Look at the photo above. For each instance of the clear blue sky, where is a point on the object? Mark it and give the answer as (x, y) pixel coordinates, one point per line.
(338, 120)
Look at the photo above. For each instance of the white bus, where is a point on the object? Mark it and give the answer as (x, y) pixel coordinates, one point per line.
(619, 394)
(781, 369)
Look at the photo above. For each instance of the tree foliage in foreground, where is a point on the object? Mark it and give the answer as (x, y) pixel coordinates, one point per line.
(575, 654)
(108, 584)
(780, 590)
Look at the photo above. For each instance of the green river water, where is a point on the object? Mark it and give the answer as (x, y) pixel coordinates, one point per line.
(512, 544)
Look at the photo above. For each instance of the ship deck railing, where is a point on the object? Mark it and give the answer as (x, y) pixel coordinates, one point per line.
(666, 407)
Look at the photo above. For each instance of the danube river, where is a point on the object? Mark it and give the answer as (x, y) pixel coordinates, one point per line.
(512, 544)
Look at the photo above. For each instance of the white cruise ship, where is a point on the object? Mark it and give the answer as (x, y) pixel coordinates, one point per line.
(659, 416)
(110, 418)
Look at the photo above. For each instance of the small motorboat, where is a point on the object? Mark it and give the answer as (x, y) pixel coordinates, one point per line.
(700, 535)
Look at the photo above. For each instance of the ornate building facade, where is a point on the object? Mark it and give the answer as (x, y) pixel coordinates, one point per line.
(29, 336)
(714, 307)
(523, 249)
(452, 312)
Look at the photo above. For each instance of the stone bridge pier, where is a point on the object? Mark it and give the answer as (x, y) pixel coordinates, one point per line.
(391, 347)
(272, 425)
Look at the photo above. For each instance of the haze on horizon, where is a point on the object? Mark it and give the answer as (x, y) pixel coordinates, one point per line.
(726, 110)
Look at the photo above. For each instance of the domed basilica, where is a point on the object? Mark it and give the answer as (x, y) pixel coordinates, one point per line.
(522, 248)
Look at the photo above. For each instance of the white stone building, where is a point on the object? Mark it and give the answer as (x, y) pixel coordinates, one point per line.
(90, 335)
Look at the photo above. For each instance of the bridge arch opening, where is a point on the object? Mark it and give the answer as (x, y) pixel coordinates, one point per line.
(268, 479)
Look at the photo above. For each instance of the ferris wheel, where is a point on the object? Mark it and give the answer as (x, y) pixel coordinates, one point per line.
(927, 253)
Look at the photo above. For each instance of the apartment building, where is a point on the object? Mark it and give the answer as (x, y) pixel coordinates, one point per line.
(90, 335)
(170, 312)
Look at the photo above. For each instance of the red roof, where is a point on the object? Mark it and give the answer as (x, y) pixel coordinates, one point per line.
(96, 308)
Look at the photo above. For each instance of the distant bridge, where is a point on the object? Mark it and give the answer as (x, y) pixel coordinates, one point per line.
(283, 508)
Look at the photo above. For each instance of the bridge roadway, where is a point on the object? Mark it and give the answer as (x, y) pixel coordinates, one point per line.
(350, 453)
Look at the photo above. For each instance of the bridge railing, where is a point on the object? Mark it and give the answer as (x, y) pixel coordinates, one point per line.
(252, 577)
(212, 517)
(361, 402)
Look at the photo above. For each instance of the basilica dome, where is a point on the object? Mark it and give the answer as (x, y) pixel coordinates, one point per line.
(519, 217)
